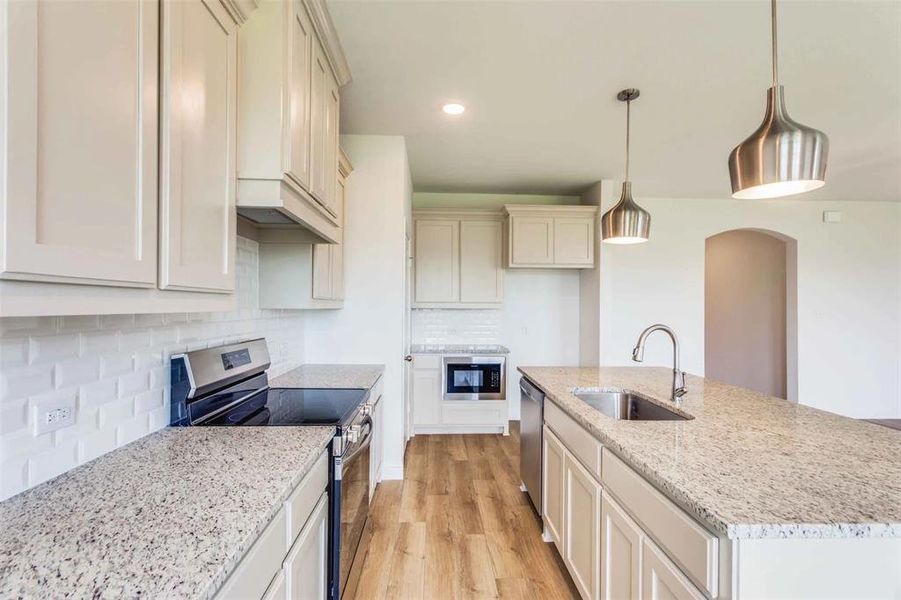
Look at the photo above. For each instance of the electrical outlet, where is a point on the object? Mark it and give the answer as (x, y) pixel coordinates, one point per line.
(54, 414)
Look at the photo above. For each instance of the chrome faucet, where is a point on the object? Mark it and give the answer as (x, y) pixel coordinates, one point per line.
(679, 388)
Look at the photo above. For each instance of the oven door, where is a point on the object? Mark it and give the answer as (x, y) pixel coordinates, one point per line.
(474, 378)
(354, 509)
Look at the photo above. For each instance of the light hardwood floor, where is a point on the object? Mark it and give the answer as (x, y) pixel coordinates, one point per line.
(458, 526)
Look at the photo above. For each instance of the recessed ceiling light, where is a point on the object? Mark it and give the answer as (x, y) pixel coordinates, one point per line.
(453, 109)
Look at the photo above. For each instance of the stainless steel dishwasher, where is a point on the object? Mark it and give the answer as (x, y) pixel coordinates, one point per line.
(531, 420)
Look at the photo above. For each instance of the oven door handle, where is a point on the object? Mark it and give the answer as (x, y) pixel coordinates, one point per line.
(367, 422)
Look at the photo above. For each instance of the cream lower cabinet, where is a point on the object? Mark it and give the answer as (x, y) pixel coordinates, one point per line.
(458, 259)
(620, 553)
(426, 375)
(197, 178)
(551, 237)
(306, 567)
(571, 507)
(79, 142)
(582, 528)
(661, 579)
(553, 487)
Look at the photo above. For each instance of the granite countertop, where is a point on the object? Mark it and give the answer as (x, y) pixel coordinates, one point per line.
(749, 465)
(168, 516)
(469, 349)
(360, 377)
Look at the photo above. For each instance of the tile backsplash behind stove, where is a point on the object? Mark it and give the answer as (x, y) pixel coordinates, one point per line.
(439, 326)
(115, 369)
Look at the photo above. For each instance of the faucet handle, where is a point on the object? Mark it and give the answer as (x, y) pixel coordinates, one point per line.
(680, 389)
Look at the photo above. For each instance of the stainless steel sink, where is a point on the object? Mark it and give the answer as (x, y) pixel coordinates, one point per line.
(621, 404)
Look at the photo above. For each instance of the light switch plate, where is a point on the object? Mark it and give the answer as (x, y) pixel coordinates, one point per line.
(50, 415)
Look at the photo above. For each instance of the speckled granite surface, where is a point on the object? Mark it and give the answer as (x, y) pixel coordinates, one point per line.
(474, 349)
(168, 516)
(749, 465)
(329, 376)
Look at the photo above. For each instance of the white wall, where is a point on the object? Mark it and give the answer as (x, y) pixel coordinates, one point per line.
(848, 292)
(369, 329)
(116, 370)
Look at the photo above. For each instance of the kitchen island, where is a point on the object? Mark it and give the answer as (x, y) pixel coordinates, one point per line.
(761, 474)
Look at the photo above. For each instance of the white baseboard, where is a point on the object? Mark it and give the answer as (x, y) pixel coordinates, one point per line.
(446, 429)
(392, 472)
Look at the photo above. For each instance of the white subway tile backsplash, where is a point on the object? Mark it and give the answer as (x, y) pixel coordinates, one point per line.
(437, 326)
(53, 462)
(118, 368)
(76, 371)
(95, 394)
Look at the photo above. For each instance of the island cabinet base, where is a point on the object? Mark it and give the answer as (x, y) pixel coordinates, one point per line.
(620, 537)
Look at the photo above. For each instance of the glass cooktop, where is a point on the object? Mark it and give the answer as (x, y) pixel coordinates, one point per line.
(290, 406)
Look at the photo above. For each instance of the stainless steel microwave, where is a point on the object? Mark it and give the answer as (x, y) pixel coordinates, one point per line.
(474, 378)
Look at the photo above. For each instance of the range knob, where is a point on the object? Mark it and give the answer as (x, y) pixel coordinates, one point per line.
(353, 434)
(366, 410)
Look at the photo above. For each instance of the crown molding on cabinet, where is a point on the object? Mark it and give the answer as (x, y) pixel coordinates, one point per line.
(457, 213)
(550, 209)
(325, 29)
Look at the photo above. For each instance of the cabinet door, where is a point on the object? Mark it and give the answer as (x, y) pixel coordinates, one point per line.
(532, 241)
(197, 200)
(437, 260)
(319, 88)
(481, 268)
(78, 142)
(307, 561)
(338, 271)
(322, 271)
(301, 40)
(620, 553)
(582, 528)
(278, 588)
(375, 462)
(426, 396)
(332, 112)
(661, 579)
(553, 465)
(573, 241)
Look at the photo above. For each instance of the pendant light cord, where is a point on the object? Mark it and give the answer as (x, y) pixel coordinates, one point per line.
(628, 119)
(775, 46)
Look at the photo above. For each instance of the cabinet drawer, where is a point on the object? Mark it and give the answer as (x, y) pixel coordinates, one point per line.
(474, 413)
(582, 444)
(261, 563)
(426, 361)
(691, 546)
(303, 500)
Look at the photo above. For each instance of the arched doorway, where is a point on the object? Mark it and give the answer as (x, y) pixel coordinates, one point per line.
(750, 328)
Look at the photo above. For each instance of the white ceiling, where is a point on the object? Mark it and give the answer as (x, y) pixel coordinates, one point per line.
(539, 80)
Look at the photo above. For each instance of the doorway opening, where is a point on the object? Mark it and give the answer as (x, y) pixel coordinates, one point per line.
(750, 311)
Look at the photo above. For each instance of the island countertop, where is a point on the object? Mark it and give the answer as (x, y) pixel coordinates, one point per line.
(167, 516)
(749, 465)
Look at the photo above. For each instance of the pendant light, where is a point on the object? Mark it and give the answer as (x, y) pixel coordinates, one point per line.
(626, 223)
(783, 157)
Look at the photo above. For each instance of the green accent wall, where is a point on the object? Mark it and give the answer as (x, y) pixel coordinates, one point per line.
(446, 200)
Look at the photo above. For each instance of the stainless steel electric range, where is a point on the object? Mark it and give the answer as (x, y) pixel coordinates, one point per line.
(228, 386)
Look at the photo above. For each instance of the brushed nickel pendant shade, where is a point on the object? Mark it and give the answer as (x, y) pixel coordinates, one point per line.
(782, 157)
(626, 222)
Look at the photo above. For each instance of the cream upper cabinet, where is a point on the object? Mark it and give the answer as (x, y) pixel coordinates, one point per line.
(558, 237)
(582, 530)
(80, 143)
(288, 117)
(553, 487)
(481, 261)
(531, 240)
(458, 258)
(197, 171)
(437, 260)
(620, 553)
(301, 39)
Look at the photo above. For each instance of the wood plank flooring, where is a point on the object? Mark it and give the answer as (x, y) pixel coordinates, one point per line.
(458, 526)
